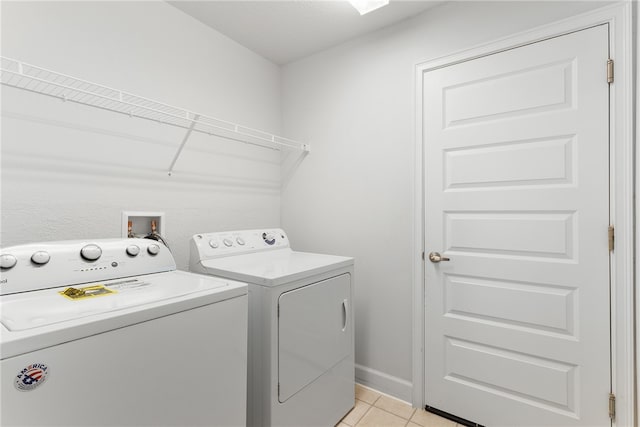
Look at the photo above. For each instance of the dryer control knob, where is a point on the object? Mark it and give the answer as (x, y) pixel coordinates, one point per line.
(240, 241)
(214, 244)
(269, 239)
(40, 257)
(7, 261)
(133, 250)
(153, 249)
(228, 242)
(91, 252)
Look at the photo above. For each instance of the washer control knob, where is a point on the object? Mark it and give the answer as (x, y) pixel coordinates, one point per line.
(228, 242)
(214, 244)
(7, 261)
(91, 252)
(240, 241)
(153, 249)
(269, 238)
(40, 257)
(133, 250)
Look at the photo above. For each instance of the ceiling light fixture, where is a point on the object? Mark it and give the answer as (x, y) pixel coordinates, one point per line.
(366, 6)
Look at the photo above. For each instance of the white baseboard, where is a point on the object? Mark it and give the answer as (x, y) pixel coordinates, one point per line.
(393, 386)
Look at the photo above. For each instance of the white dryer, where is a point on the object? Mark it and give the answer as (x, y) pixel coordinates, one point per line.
(301, 350)
(107, 332)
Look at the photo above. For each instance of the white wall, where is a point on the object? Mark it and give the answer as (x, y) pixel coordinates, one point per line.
(354, 194)
(68, 170)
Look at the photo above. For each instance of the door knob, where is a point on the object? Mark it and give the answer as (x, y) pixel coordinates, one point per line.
(436, 257)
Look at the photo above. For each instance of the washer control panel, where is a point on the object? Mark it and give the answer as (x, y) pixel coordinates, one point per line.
(51, 264)
(219, 244)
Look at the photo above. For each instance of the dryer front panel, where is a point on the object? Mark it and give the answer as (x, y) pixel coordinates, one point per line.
(315, 324)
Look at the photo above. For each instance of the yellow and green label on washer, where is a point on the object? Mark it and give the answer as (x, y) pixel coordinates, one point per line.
(86, 292)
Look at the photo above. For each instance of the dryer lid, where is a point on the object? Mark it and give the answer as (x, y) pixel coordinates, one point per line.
(275, 267)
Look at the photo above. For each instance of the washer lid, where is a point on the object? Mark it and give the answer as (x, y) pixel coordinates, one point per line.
(273, 268)
(29, 310)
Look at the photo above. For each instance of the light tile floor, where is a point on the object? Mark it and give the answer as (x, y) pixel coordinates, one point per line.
(375, 409)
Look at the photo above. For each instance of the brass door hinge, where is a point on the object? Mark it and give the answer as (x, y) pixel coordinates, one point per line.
(612, 406)
(609, 70)
(612, 237)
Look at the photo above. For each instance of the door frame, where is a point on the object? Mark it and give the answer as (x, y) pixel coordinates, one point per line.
(621, 47)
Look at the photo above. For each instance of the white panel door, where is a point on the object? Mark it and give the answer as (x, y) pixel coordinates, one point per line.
(517, 197)
(314, 332)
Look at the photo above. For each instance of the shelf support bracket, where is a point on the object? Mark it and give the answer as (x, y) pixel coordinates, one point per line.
(184, 142)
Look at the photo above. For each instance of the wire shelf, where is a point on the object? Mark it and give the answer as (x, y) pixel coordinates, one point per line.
(46, 82)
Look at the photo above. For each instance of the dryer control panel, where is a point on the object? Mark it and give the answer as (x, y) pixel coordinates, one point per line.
(47, 265)
(219, 244)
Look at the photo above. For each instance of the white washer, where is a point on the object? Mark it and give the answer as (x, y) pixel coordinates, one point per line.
(301, 357)
(136, 344)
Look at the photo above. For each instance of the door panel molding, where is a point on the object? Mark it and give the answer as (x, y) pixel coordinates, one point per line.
(619, 19)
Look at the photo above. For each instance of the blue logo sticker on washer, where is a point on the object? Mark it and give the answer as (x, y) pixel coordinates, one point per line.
(31, 377)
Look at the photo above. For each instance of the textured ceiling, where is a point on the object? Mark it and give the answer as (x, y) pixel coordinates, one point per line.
(284, 31)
